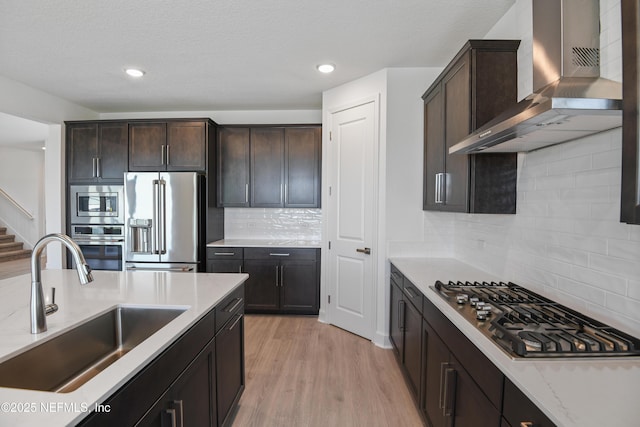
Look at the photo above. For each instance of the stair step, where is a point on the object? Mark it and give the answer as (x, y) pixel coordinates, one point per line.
(7, 238)
(11, 255)
(10, 246)
(3, 230)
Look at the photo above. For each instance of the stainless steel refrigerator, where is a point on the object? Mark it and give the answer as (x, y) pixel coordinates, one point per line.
(164, 221)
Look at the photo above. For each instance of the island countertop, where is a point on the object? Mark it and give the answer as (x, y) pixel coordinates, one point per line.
(197, 293)
(572, 392)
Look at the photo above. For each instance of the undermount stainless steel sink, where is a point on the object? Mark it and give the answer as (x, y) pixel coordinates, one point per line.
(67, 361)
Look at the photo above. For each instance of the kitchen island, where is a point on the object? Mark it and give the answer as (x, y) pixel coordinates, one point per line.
(196, 294)
(570, 391)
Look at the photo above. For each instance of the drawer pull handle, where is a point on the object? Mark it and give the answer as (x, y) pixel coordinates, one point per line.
(224, 253)
(277, 254)
(233, 325)
(411, 292)
(526, 424)
(234, 304)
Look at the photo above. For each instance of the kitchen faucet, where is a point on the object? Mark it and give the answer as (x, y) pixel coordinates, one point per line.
(38, 314)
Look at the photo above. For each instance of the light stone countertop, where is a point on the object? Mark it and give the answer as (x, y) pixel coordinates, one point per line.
(261, 243)
(199, 293)
(571, 392)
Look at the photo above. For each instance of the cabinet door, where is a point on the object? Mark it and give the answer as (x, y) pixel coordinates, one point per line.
(299, 287)
(147, 145)
(262, 288)
(433, 150)
(396, 321)
(413, 346)
(471, 408)
(518, 410)
(267, 167)
(436, 360)
(233, 167)
(229, 366)
(114, 149)
(82, 150)
(191, 400)
(302, 168)
(186, 148)
(457, 113)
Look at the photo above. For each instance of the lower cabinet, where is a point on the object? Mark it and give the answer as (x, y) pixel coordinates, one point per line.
(282, 280)
(225, 260)
(191, 400)
(519, 411)
(197, 381)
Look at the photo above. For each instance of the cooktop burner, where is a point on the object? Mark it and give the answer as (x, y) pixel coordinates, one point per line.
(525, 324)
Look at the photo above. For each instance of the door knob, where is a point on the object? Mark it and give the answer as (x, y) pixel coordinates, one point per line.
(366, 251)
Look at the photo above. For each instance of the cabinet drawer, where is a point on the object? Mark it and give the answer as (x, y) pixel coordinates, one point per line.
(397, 277)
(518, 410)
(231, 305)
(224, 253)
(280, 253)
(412, 293)
(488, 378)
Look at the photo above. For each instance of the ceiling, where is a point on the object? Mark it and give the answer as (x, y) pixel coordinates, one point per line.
(207, 55)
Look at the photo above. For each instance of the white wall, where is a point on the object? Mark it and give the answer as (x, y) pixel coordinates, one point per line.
(30, 103)
(21, 176)
(566, 240)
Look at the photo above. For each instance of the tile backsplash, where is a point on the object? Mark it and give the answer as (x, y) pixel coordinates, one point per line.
(273, 224)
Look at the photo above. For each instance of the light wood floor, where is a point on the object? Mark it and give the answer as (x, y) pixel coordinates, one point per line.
(15, 268)
(300, 372)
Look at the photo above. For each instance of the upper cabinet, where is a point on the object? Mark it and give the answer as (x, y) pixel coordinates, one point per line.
(630, 197)
(96, 152)
(168, 146)
(269, 166)
(480, 83)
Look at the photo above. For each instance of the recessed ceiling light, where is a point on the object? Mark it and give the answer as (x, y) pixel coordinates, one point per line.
(134, 72)
(326, 68)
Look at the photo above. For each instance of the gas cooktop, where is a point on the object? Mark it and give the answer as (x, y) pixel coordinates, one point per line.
(527, 325)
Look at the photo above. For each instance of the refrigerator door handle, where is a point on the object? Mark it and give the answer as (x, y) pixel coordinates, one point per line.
(162, 209)
(155, 221)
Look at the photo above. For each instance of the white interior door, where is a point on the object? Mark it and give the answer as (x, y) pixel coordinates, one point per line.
(351, 219)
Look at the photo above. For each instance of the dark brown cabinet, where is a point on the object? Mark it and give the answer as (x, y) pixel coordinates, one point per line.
(476, 86)
(282, 280)
(197, 381)
(269, 166)
(229, 356)
(233, 166)
(519, 411)
(406, 328)
(191, 399)
(225, 260)
(630, 191)
(96, 152)
(168, 146)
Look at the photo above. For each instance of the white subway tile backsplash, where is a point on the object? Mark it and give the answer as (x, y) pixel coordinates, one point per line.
(588, 293)
(607, 159)
(573, 164)
(275, 224)
(604, 281)
(625, 249)
(612, 265)
(623, 306)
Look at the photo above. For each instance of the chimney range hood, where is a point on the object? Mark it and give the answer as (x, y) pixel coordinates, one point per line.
(571, 100)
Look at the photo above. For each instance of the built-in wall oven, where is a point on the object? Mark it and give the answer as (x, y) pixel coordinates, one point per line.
(101, 245)
(96, 217)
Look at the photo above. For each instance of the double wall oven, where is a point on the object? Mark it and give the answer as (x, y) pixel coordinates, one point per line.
(97, 224)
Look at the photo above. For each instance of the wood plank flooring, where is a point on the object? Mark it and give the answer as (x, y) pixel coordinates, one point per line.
(300, 372)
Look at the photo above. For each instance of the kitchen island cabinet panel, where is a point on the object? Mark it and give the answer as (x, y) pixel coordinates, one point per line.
(229, 367)
(478, 84)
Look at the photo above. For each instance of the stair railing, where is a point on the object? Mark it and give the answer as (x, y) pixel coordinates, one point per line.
(16, 204)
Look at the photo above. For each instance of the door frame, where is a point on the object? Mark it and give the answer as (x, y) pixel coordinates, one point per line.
(327, 287)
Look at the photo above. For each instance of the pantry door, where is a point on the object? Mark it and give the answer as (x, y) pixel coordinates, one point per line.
(353, 143)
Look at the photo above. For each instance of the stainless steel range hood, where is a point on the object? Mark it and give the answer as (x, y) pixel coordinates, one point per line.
(570, 100)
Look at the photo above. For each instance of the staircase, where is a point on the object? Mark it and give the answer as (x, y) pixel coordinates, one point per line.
(9, 248)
